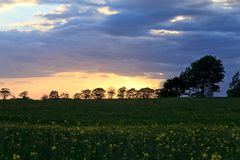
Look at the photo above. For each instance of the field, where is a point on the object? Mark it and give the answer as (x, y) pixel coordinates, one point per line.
(120, 129)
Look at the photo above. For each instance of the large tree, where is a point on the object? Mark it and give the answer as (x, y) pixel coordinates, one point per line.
(111, 92)
(122, 92)
(86, 94)
(145, 93)
(5, 92)
(98, 93)
(234, 87)
(77, 96)
(64, 95)
(157, 93)
(54, 95)
(203, 76)
(24, 95)
(131, 93)
(173, 88)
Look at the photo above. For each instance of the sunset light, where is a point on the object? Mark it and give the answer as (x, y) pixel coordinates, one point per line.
(74, 82)
(119, 79)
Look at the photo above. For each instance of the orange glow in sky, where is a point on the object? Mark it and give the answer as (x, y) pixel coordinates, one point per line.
(74, 82)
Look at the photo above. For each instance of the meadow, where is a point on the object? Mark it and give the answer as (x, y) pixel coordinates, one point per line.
(156, 129)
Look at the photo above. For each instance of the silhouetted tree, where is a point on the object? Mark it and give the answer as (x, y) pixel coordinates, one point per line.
(44, 97)
(24, 95)
(157, 93)
(145, 93)
(131, 93)
(54, 95)
(111, 92)
(86, 94)
(4, 93)
(234, 87)
(173, 88)
(203, 76)
(98, 93)
(188, 79)
(77, 96)
(122, 92)
(64, 95)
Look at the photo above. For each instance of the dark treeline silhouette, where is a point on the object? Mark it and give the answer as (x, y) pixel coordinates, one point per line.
(24, 95)
(100, 93)
(234, 87)
(5, 93)
(200, 79)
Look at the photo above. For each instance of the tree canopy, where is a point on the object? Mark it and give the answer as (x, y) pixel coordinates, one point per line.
(98, 93)
(111, 92)
(121, 92)
(24, 95)
(173, 88)
(234, 87)
(53, 95)
(201, 78)
(5, 92)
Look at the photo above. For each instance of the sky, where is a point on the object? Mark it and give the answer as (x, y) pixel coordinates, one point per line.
(70, 45)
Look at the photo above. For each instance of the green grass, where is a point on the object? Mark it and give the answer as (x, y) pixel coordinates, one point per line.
(120, 129)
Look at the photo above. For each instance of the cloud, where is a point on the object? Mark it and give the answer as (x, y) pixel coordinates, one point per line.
(107, 11)
(180, 18)
(162, 32)
(10, 5)
(40, 25)
(57, 11)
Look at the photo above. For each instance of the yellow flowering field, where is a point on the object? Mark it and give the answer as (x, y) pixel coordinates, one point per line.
(120, 129)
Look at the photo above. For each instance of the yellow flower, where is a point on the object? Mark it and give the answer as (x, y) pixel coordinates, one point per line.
(110, 146)
(216, 157)
(33, 154)
(16, 157)
(54, 148)
(204, 155)
(145, 155)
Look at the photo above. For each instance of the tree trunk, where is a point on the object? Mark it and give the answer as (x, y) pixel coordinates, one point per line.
(203, 89)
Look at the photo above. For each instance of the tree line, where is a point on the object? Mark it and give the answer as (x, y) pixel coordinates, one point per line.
(98, 93)
(200, 79)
